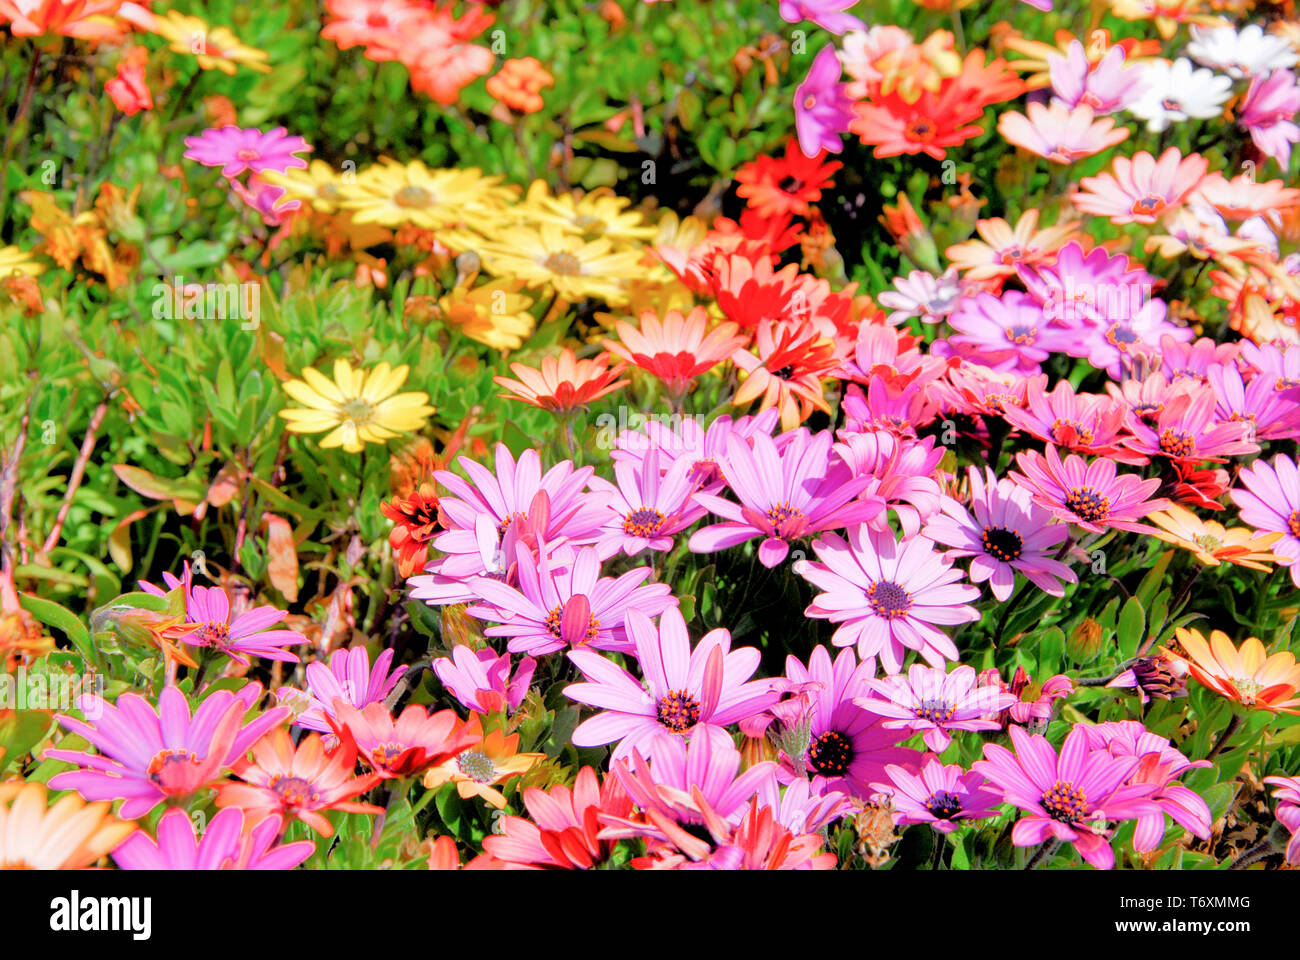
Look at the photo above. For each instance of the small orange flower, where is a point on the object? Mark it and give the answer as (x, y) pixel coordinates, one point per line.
(416, 519)
(563, 383)
(518, 84)
(677, 350)
(787, 374)
(1001, 247)
(1247, 675)
(475, 770)
(1214, 544)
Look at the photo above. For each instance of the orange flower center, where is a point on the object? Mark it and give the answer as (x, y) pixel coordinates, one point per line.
(1065, 802)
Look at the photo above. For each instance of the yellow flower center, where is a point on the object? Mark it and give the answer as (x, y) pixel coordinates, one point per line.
(357, 410)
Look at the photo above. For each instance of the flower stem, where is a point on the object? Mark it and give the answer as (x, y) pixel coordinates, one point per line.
(939, 844)
(24, 104)
(1045, 852)
(1228, 731)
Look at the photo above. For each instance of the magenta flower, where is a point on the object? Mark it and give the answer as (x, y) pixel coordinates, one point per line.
(888, 596)
(649, 507)
(1186, 431)
(481, 680)
(1287, 795)
(563, 601)
(784, 495)
(1085, 423)
(902, 474)
(823, 734)
(1006, 333)
(1069, 797)
(349, 677)
(1271, 503)
(147, 756)
(1269, 113)
(1081, 290)
(1160, 763)
(685, 693)
(931, 700)
(235, 150)
(799, 807)
(1089, 494)
(1007, 533)
(1269, 414)
(1034, 705)
(941, 796)
(686, 438)
(208, 609)
(1142, 188)
(822, 108)
(226, 845)
(1106, 86)
(827, 14)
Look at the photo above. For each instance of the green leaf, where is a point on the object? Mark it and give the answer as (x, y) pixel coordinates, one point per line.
(52, 615)
(1132, 622)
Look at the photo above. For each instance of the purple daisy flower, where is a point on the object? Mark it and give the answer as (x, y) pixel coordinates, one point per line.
(349, 677)
(827, 14)
(684, 437)
(481, 680)
(236, 150)
(1067, 797)
(822, 108)
(1006, 333)
(1091, 495)
(1271, 502)
(562, 600)
(888, 596)
(147, 755)
(1007, 533)
(1272, 414)
(1269, 112)
(1106, 86)
(836, 743)
(784, 495)
(685, 692)
(648, 507)
(224, 846)
(931, 700)
(941, 796)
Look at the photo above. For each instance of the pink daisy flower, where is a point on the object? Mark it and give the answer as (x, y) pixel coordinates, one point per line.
(825, 736)
(1104, 87)
(564, 601)
(235, 150)
(1068, 797)
(1271, 503)
(1060, 133)
(1187, 431)
(481, 680)
(704, 448)
(1006, 333)
(822, 108)
(828, 14)
(1007, 533)
(147, 755)
(685, 693)
(784, 495)
(1083, 422)
(228, 843)
(1160, 763)
(1269, 113)
(800, 808)
(901, 472)
(940, 796)
(649, 507)
(888, 596)
(934, 701)
(1091, 495)
(349, 677)
(1269, 414)
(1140, 190)
(1287, 794)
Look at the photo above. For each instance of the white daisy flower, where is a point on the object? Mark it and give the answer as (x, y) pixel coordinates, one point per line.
(1243, 54)
(923, 295)
(1176, 92)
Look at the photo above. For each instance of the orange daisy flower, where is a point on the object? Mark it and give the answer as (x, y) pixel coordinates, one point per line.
(678, 349)
(477, 770)
(518, 84)
(791, 184)
(69, 835)
(1248, 675)
(83, 19)
(787, 374)
(400, 747)
(563, 384)
(1212, 543)
(417, 520)
(298, 782)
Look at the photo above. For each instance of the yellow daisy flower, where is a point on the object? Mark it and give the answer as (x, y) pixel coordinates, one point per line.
(600, 213)
(357, 407)
(317, 185)
(215, 48)
(16, 261)
(545, 257)
(393, 194)
(1212, 543)
(493, 313)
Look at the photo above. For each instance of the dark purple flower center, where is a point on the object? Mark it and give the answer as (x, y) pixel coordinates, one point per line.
(785, 519)
(1150, 205)
(785, 373)
(214, 633)
(1021, 335)
(790, 184)
(1065, 802)
(645, 522)
(294, 791)
(1088, 505)
(943, 804)
(678, 710)
(1177, 443)
(1002, 544)
(888, 599)
(830, 754)
(936, 710)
